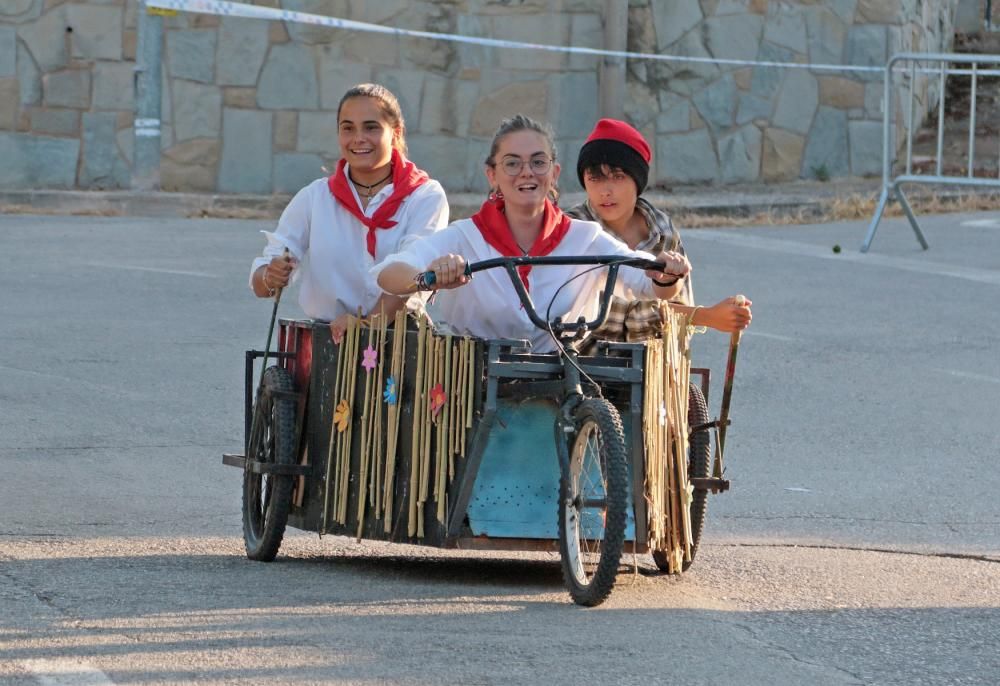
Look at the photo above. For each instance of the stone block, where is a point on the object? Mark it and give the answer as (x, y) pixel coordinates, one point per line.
(526, 97)
(20, 10)
(766, 80)
(641, 34)
(37, 161)
(276, 33)
(782, 156)
(866, 147)
(406, 85)
(97, 32)
(114, 86)
(827, 33)
(197, 111)
(286, 127)
(99, 150)
(317, 132)
(586, 31)
(126, 143)
(240, 97)
(68, 88)
(191, 54)
(166, 98)
(724, 7)
(751, 107)
(674, 19)
(686, 158)
(797, 101)
(307, 33)
(374, 49)
(841, 92)
(717, 103)
(10, 112)
(293, 170)
(641, 104)
(827, 145)
(844, 9)
(29, 77)
(129, 43)
(675, 119)
(734, 36)
(58, 122)
(786, 26)
(443, 157)
(190, 166)
(874, 94)
(46, 39)
(474, 56)
(742, 78)
(551, 28)
(337, 75)
(879, 12)
(740, 154)
(867, 46)
(245, 168)
(242, 48)
(576, 104)
(288, 81)
(8, 51)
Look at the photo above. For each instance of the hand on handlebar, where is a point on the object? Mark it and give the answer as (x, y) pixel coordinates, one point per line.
(675, 264)
(449, 272)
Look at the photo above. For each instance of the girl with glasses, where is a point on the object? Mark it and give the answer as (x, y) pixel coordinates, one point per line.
(520, 218)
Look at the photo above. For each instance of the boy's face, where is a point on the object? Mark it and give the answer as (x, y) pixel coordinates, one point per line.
(611, 192)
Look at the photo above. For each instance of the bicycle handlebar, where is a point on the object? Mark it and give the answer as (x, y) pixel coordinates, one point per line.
(426, 280)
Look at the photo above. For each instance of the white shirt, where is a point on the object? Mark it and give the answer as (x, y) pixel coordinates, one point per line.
(331, 244)
(488, 306)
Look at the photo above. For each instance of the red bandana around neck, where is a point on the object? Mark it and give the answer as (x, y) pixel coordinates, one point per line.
(492, 223)
(406, 178)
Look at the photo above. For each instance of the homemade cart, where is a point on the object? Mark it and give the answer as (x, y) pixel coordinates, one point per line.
(405, 435)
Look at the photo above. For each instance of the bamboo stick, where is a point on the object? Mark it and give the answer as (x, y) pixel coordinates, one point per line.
(352, 383)
(333, 435)
(416, 440)
(392, 417)
(443, 420)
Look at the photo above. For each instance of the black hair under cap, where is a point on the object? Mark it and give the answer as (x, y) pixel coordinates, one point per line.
(613, 153)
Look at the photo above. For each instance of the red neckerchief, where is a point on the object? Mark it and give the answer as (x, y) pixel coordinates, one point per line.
(406, 177)
(492, 223)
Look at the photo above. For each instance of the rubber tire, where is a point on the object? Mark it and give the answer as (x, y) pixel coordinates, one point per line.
(267, 500)
(614, 465)
(699, 466)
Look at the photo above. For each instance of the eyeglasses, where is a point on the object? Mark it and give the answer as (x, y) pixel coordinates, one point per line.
(539, 165)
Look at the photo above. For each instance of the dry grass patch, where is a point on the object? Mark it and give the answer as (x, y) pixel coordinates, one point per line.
(77, 212)
(841, 208)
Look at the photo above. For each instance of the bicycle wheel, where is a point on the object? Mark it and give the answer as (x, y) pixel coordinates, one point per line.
(593, 502)
(267, 498)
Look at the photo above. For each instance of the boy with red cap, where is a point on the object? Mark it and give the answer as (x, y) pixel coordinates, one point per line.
(613, 167)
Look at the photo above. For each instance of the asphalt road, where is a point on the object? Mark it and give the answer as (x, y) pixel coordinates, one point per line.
(860, 543)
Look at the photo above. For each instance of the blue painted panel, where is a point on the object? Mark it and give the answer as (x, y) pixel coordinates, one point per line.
(516, 493)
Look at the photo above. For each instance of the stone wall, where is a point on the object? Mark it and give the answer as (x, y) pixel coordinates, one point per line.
(728, 124)
(248, 105)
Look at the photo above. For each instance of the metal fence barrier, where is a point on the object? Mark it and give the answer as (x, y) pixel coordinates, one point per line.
(918, 73)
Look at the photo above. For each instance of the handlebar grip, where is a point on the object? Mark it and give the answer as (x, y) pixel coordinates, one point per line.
(426, 280)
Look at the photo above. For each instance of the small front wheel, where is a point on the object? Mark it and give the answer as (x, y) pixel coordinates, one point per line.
(267, 498)
(593, 503)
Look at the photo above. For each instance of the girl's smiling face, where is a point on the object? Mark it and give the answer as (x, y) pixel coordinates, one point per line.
(365, 135)
(611, 192)
(538, 173)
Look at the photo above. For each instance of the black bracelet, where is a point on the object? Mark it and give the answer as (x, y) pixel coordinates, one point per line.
(665, 284)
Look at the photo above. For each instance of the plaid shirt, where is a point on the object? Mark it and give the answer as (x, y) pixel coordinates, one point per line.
(637, 320)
